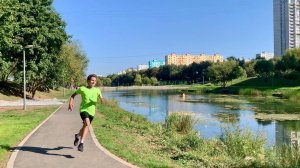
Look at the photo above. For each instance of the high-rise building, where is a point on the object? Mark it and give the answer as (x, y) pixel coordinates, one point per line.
(188, 59)
(286, 25)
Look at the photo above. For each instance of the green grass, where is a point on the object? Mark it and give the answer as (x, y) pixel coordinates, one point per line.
(16, 124)
(145, 144)
(130, 137)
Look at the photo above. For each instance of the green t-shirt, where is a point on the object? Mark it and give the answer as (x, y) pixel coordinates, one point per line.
(89, 99)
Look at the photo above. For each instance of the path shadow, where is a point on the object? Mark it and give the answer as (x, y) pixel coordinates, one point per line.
(43, 151)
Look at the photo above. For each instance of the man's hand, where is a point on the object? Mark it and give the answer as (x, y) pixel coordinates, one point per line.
(70, 106)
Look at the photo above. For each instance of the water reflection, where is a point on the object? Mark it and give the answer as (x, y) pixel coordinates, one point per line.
(288, 133)
(213, 112)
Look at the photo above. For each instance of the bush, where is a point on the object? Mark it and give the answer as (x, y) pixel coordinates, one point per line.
(180, 123)
(190, 141)
(242, 143)
(291, 75)
(288, 156)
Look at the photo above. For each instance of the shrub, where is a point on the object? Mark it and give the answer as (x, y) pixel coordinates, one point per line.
(180, 123)
(243, 143)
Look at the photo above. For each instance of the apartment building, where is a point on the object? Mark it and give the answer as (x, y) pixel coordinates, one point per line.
(142, 67)
(265, 55)
(156, 63)
(188, 59)
(286, 25)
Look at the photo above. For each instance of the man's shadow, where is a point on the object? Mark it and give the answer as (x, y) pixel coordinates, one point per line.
(39, 150)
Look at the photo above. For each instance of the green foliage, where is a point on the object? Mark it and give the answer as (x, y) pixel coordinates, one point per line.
(180, 123)
(249, 68)
(138, 80)
(102, 81)
(154, 81)
(32, 22)
(242, 143)
(169, 72)
(287, 156)
(73, 65)
(146, 81)
(5, 69)
(224, 72)
(264, 69)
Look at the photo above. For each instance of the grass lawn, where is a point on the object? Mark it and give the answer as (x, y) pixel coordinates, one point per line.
(16, 124)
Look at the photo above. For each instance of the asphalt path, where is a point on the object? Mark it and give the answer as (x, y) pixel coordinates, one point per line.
(51, 145)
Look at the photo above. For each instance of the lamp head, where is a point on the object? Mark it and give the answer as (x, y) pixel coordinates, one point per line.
(28, 46)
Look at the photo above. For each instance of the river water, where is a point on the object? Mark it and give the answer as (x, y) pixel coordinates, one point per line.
(212, 113)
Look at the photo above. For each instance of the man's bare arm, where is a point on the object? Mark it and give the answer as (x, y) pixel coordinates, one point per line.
(71, 101)
(101, 99)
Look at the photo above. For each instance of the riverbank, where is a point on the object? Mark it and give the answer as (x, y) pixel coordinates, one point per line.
(145, 144)
(166, 87)
(280, 88)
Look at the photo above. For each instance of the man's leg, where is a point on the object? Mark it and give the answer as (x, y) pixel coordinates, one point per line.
(85, 128)
(83, 132)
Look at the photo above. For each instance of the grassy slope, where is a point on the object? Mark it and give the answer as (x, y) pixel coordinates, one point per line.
(130, 136)
(58, 94)
(16, 124)
(134, 139)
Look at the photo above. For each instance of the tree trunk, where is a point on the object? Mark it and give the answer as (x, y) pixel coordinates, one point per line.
(33, 93)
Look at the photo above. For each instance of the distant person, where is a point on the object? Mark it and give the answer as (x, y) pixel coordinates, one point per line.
(182, 96)
(90, 96)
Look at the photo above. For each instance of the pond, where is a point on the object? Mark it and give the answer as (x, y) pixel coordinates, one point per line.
(215, 112)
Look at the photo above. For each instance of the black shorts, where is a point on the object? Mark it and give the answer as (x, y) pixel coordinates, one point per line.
(85, 115)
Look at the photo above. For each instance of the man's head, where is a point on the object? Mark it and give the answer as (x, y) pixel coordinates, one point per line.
(92, 80)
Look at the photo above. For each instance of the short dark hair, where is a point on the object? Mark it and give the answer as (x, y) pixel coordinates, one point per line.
(90, 76)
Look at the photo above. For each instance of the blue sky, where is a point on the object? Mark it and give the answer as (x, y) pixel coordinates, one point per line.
(118, 34)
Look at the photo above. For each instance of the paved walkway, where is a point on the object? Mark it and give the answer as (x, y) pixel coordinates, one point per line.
(52, 145)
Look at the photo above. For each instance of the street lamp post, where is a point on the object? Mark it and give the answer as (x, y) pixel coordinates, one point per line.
(24, 78)
(202, 77)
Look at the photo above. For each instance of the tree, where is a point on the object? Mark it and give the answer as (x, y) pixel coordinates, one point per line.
(224, 72)
(264, 68)
(152, 72)
(24, 22)
(138, 80)
(146, 80)
(154, 81)
(104, 81)
(107, 82)
(240, 61)
(289, 61)
(74, 64)
(249, 68)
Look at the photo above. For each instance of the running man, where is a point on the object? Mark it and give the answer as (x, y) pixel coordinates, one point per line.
(90, 96)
